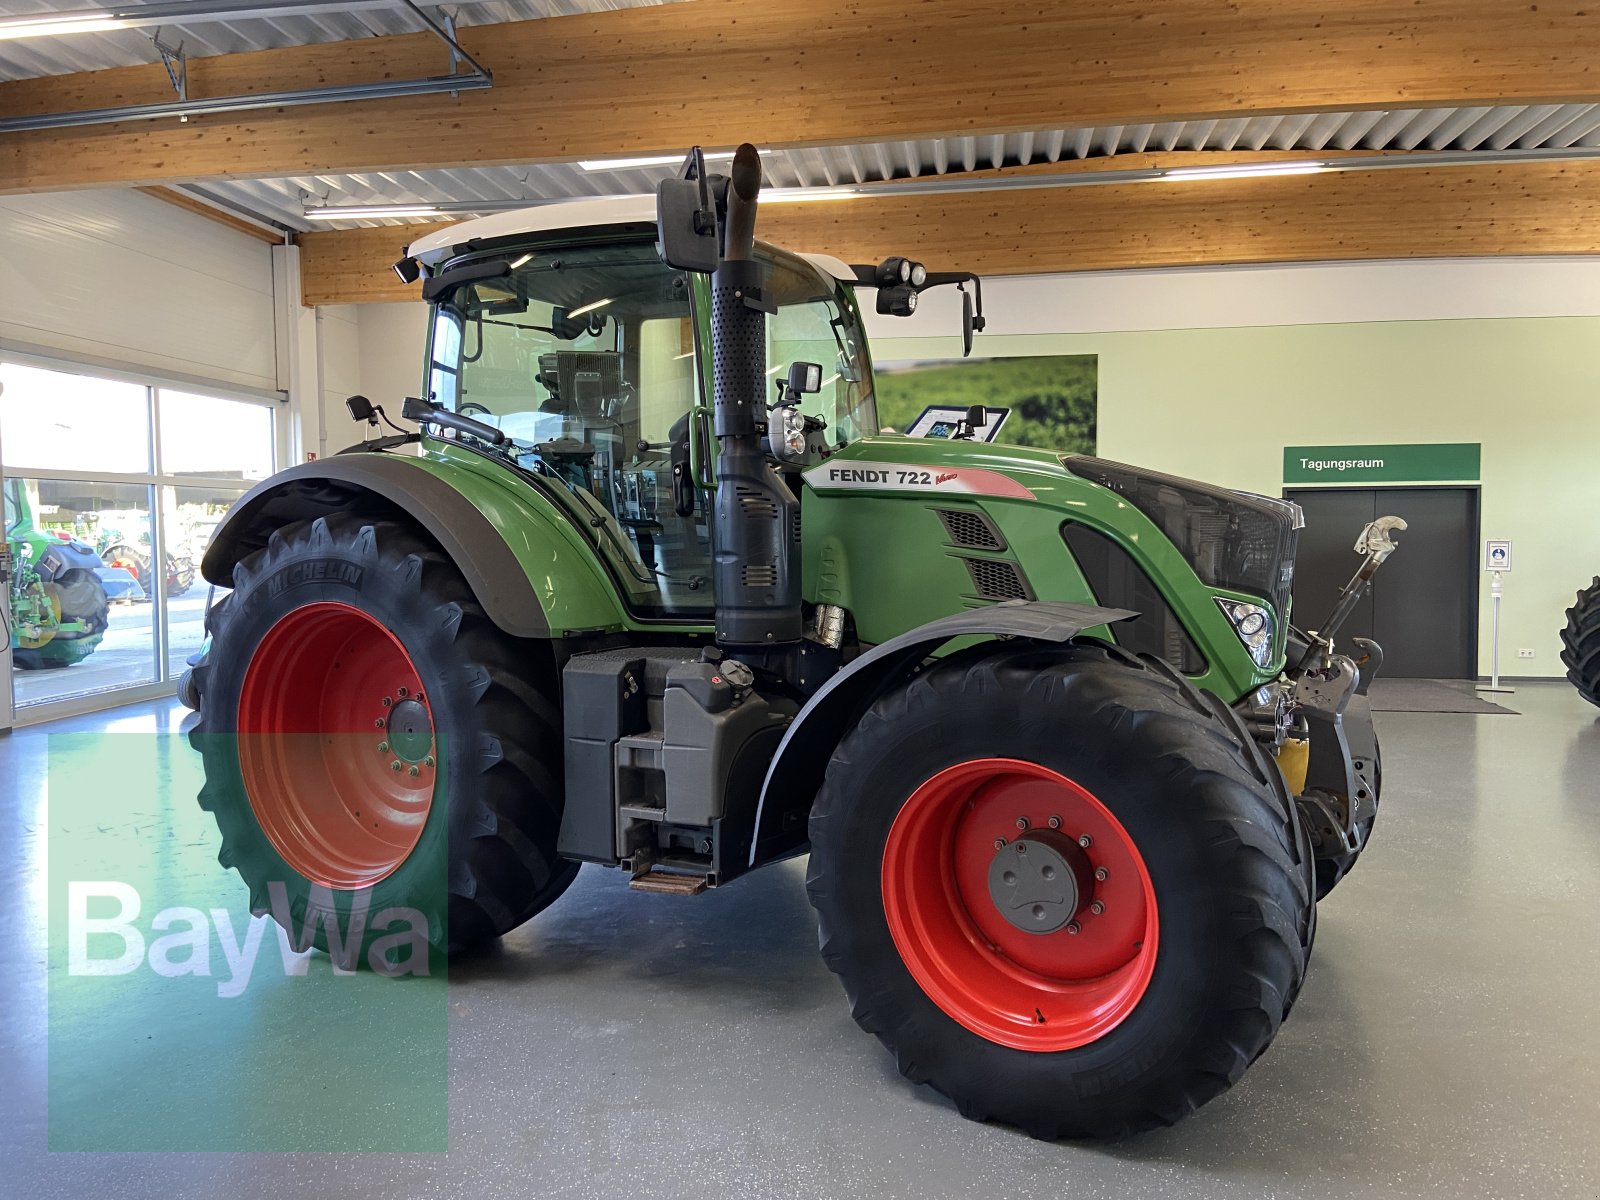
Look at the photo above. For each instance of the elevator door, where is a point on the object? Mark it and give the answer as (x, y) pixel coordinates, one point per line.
(1423, 606)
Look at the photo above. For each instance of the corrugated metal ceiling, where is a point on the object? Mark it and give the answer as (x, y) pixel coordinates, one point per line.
(1520, 127)
(29, 57)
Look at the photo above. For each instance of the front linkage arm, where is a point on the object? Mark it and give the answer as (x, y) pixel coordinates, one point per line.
(1330, 692)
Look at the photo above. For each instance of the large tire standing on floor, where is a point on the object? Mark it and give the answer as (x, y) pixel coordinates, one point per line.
(1063, 887)
(78, 596)
(372, 741)
(1580, 643)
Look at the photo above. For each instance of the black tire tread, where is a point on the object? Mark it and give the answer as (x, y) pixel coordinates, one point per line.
(1248, 816)
(1580, 643)
(503, 867)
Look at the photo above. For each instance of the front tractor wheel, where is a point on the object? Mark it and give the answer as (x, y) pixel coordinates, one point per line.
(1063, 887)
(374, 746)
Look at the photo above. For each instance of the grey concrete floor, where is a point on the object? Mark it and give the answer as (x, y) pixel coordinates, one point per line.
(1447, 1042)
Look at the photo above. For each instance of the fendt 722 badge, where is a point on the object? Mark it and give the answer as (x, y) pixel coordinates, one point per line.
(649, 588)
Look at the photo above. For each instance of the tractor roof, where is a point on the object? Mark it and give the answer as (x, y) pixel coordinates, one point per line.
(568, 214)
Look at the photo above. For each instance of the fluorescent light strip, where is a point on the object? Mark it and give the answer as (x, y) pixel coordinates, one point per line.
(1243, 170)
(653, 160)
(588, 308)
(803, 195)
(58, 24)
(350, 212)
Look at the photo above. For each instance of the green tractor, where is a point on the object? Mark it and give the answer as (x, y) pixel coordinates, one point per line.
(58, 603)
(651, 590)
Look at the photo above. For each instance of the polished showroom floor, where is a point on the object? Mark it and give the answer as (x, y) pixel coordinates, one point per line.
(1447, 1042)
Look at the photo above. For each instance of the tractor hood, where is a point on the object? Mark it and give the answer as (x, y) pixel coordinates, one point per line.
(1223, 542)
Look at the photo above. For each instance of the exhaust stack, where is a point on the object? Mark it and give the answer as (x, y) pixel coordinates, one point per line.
(756, 525)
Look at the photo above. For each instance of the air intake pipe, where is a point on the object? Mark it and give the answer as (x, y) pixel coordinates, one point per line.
(756, 529)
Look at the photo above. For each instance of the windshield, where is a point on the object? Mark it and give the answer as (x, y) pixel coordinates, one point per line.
(586, 358)
(814, 323)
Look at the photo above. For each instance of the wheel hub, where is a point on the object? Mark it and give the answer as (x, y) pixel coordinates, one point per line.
(410, 731)
(1041, 882)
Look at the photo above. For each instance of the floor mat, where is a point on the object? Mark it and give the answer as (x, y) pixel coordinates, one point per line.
(1432, 695)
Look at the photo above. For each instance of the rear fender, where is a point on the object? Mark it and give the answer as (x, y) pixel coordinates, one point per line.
(802, 757)
(527, 570)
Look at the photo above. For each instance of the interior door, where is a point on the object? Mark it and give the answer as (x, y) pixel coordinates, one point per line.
(1423, 606)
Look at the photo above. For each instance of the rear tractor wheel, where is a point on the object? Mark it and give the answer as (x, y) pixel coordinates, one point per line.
(1580, 643)
(1063, 887)
(372, 742)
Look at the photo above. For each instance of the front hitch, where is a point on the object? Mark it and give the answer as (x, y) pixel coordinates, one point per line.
(1377, 545)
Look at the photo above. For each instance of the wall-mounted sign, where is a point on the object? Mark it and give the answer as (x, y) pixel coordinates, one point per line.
(1433, 462)
(1497, 556)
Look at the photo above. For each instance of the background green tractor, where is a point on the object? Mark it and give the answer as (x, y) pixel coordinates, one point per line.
(1580, 642)
(650, 590)
(58, 605)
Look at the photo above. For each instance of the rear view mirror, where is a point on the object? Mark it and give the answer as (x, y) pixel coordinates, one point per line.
(570, 329)
(686, 219)
(966, 326)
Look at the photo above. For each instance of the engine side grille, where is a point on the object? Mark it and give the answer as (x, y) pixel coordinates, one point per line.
(760, 577)
(970, 530)
(755, 504)
(997, 579)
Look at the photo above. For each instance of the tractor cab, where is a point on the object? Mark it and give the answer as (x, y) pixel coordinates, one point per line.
(592, 358)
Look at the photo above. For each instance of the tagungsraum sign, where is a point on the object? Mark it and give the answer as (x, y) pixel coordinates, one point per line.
(1428, 462)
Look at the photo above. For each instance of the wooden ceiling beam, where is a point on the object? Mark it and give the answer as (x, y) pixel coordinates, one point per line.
(1468, 211)
(717, 72)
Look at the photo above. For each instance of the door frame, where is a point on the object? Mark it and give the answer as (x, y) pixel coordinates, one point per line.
(1475, 591)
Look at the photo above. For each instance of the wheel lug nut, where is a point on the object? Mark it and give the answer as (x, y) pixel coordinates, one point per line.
(1055, 822)
(1102, 874)
(1085, 841)
(395, 765)
(1022, 822)
(387, 703)
(428, 762)
(999, 843)
(1074, 928)
(401, 692)
(1097, 908)
(379, 723)
(415, 771)
(383, 747)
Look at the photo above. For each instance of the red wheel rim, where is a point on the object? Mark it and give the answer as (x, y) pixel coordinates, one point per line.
(336, 745)
(1019, 988)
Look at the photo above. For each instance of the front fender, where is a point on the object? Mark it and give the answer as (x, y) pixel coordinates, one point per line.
(797, 768)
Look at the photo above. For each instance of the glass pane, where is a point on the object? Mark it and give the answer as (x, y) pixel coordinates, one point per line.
(586, 361)
(189, 515)
(59, 421)
(81, 619)
(221, 439)
(813, 324)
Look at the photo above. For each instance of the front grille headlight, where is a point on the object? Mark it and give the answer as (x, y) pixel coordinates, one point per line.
(1253, 624)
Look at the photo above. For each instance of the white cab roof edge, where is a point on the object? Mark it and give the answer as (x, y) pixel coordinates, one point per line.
(568, 214)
